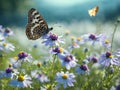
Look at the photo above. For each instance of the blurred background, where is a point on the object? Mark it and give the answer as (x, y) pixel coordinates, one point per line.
(14, 12)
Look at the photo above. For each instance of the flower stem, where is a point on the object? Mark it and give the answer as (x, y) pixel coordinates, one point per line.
(116, 24)
(54, 57)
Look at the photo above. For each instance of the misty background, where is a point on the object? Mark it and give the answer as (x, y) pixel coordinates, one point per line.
(14, 12)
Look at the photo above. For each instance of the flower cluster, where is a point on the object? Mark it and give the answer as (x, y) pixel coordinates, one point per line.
(67, 66)
(5, 46)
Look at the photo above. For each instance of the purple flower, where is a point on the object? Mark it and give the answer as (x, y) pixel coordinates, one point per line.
(8, 73)
(8, 32)
(108, 59)
(65, 79)
(118, 87)
(52, 40)
(68, 60)
(92, 38)
(74, 45)
(82, 69)
(105, 41)
(94, 59)
(39, 76)
(58, 50)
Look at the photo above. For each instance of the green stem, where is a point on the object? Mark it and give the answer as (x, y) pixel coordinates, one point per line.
(54, 57)
(113, 36)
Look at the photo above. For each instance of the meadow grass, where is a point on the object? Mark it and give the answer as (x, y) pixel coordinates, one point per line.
(96, 77)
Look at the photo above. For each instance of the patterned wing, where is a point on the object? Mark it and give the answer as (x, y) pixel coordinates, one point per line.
(93, 11)
(36, 26)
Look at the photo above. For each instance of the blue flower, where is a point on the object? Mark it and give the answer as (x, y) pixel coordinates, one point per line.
(68, 60)
(58, 50)
(8, 32)
(6, 47)
(74, 45)
(105, 41)
(18, 60)
(118, 87)
(108, 59)
(39, 76)
(21, 81)
(93, 38)
(65, 79)
(82, 69)
(8, 73)
(52, 40)
(94, 59)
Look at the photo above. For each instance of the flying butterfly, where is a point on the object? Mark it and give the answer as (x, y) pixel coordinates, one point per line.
(93, 11)
(36, 26)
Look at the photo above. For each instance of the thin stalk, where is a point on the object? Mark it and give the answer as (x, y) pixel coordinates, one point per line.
(115, 29)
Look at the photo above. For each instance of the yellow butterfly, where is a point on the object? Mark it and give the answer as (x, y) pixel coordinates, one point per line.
(93, 11)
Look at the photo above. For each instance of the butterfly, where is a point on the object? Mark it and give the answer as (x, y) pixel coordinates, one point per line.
(36, 26)
(93, 11)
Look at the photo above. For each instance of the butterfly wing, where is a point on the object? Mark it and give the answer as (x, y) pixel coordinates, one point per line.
(36, 26)
(93, 11)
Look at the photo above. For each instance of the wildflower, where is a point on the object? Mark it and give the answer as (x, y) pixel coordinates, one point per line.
(67, 32)
(18, 60)
(105, 42)
(52, 40)
(108, 59)
(94, 59)
(73, 38)
(68, 60)
(38, 63)
(21, 81)
(8, 32)
(118, 87)
(39, 76)
(6, 47)
(24, 56)
(66, 79)
(2, 38)
(58, 51)
(82, 69)
(8, 73)
(15, 62)
(74, 45)
(117, 53)
(92, 38)
(79, 40)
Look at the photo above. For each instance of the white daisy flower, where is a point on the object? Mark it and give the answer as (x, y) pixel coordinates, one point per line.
(21, 81)
(65, 79)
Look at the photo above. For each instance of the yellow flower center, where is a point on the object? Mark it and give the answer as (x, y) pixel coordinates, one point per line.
(20, 52)
(16, 58)
(65, 76)
(107, 41)
(21, 78)
(79, 39)
(10, 65)
(72, 38)
(48, 86)
(111, 56)
(4, 44)
(67, 32)
(39, 64)
(61, 50)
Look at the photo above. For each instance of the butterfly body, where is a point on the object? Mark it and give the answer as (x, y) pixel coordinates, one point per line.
(36, 26)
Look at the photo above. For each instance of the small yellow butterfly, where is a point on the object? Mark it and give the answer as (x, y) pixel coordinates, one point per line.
(93, 11)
